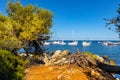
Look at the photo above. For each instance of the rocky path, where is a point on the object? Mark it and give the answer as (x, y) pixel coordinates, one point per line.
(56, 73)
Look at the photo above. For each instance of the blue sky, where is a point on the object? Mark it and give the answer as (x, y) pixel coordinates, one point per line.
(77, 19)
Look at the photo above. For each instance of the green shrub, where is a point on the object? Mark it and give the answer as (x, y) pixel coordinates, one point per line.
(11, 66)
(91, 54)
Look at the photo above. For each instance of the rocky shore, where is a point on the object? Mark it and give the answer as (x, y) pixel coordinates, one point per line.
(61, 65)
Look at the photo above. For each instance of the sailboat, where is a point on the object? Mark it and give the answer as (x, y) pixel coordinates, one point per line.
(108, 43)
(73, 43)
(62, 43)
(85, 43)
(46, 43)
(56, 42)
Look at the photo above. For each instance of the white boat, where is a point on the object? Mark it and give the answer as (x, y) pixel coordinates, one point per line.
(46, 43)
(107, 43)
(116, 43)
(74, 43)
(85, 43)
(62, 43)
(56, 42)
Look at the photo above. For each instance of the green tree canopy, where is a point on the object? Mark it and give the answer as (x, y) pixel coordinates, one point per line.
(24, 27)
(114, 22)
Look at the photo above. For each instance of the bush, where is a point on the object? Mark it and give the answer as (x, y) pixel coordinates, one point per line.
(91, 54)
(11, 66)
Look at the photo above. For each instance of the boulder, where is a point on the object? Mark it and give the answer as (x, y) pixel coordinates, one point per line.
(56, 53)
(57, 58)
(46, 59)
(65, 53)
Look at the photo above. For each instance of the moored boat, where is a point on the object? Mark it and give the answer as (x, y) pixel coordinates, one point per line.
(107, 43)
(73, 43)
(85, 43)
(62, 43)
(46, 43)
(56, 42)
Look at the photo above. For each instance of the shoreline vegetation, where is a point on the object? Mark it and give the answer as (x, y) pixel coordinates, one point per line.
(61, 65)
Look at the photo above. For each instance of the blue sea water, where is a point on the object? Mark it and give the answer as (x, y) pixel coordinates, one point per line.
(113, 52)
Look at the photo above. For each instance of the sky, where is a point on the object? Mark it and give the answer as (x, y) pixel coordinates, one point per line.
(77, 19)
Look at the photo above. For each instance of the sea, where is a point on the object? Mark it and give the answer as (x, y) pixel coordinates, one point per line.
(96, 47)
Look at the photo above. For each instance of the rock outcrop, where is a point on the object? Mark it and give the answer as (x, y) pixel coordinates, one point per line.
(57, 58)
(93, 66)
